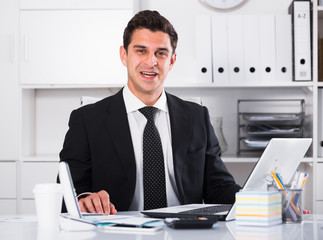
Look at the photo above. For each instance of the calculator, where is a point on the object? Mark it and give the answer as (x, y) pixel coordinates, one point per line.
(190, 223)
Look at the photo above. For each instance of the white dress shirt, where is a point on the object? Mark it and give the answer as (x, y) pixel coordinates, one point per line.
(137, 122)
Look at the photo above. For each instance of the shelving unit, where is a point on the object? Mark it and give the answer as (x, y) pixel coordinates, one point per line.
(68, 49)
(318, 163)
(45, 106)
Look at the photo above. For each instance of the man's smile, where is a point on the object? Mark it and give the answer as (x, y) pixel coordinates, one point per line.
(148, 74)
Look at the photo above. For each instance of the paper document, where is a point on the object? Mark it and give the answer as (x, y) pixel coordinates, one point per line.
(120, 219)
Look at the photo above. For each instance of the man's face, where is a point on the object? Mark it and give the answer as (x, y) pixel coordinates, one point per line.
(148, 60)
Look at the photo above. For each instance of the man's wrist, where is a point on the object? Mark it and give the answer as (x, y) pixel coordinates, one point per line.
(83, 195)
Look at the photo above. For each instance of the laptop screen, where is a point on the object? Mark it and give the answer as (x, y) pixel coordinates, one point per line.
(68, 190)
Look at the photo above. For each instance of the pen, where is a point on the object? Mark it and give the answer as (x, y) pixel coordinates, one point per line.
(280, 179)
(302, 184)
(304, 180)
(279, 185)
(295, 179)
(300, 180)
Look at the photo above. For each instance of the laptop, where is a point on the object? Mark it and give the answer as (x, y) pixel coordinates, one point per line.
(95, 219)
(282, 153)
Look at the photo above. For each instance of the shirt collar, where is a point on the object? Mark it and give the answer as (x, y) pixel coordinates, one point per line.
(133, 103)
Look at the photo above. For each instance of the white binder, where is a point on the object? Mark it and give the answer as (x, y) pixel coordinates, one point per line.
(267, 47)
(251, 48)
(283, 48)
(320, 120)
(220, 49)
(235, 49)
(301, 40)
(203, 49)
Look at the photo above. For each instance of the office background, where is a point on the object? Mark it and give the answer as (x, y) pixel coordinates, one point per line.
(51, 55)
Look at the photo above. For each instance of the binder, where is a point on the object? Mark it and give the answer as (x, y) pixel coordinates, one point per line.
(251, 48)
(320, 126)
(320, 60)
(283, 48)
(220, 49)
(203, 49)
(267, 48)
(301, 29)
(235, 49)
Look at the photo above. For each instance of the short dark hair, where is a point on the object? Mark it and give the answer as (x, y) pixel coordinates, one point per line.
(153, 21)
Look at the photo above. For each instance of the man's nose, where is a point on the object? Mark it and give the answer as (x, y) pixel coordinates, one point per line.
(151, 60)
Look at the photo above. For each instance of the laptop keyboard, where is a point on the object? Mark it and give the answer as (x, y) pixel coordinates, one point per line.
(209, 210)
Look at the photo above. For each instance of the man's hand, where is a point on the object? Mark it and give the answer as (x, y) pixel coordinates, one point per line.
(97, 203)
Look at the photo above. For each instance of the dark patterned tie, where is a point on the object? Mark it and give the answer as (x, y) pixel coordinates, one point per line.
(153, 163)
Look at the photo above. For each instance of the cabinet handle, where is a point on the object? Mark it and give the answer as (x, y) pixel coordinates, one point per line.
(12, 48)
(26, 47)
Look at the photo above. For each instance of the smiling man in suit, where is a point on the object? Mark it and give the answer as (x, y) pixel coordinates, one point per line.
(116, 164)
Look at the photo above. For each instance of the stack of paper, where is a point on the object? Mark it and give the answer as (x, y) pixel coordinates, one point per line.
(258, 208)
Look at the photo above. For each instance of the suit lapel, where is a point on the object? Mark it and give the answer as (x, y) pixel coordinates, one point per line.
(180, 121)
(118, 127)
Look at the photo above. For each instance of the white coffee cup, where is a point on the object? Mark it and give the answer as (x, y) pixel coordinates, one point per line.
(48, 197)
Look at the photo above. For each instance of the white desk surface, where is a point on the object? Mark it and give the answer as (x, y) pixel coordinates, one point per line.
(310, 228)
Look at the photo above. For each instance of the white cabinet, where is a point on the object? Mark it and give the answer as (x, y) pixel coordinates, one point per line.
(317, 70)
(319, 181)
(28, 206)
(33, 173)
(9, 107)
(8, 181)
(8, 188)
(72, 46)
(319, 207)
(75, 4)
(8, 207)
(9, 90)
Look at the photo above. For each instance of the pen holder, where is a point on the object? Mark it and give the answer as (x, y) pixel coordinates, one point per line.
(292, 211)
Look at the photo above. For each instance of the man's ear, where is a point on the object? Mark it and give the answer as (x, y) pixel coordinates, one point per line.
(172, 61)
(123, 56)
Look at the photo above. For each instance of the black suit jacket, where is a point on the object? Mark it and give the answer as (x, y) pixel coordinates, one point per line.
(99, 151)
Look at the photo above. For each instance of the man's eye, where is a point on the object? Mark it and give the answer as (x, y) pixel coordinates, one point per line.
(162, 54)
(141, 51)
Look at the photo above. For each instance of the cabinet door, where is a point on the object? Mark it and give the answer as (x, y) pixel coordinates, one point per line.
(28, 206)
(8, 180)
(319, 207)
(9, 80)
(33, 173)
(8, 207)
(72, 47)
(75, 4)
(319, 180)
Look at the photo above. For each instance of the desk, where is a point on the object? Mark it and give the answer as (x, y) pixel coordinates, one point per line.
(311, 228)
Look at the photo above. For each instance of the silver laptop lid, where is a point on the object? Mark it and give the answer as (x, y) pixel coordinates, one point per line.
(68, 190)
(285, 154)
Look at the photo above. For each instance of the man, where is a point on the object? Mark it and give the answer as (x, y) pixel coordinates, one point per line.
(104, 144)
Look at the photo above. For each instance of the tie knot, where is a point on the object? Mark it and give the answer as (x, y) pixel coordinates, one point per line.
(148, 112)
